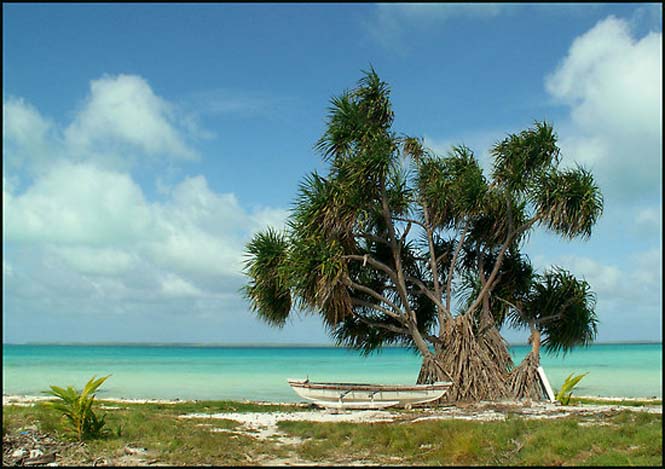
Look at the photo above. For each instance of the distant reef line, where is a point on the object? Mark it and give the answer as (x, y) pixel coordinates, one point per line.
(271, 345)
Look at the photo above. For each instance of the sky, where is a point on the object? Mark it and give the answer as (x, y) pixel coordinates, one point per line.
(144, 144)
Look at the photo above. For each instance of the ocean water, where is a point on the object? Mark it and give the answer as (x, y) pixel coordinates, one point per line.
(260, 373)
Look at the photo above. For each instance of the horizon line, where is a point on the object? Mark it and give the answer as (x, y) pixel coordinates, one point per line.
(271, 344)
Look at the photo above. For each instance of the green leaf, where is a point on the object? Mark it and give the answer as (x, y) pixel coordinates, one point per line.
(564, 394)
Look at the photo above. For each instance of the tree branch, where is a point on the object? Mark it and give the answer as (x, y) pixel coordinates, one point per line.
(497, 264)
(373, 262)
(373, 237)
(451, 271)
(411, 220)
(434, 267)
(379, 297)
(411, 324)
(423, 288)
(389, 327)
(406, 232)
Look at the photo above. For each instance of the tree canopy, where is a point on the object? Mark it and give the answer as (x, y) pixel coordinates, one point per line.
(382, 244)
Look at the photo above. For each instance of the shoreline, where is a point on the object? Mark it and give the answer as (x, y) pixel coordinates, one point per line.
(265, 345)
(27, 399)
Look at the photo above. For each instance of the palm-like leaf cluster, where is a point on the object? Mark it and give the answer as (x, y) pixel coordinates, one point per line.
(561, 307)
(268, 288)
(380, 244)
(76, 408)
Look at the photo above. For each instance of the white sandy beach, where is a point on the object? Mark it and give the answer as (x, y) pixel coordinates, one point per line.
(483, 411)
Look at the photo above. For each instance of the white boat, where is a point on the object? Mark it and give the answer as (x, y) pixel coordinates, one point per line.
(367, 396)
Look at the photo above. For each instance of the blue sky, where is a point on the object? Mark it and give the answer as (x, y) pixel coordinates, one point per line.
(144, 144)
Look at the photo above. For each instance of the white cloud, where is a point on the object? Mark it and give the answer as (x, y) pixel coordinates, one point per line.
(174, 286)
(124, 109)
(604, 279)
(649, 270)
(200, 231)
(27, 137)
(121, 123)
(391, 22)
(612, 83)
(80, 234)
(77, 204)
(99, 222)
(7, 269)
(626, 295)
(649, 220)
(22, 123)
(97, 260)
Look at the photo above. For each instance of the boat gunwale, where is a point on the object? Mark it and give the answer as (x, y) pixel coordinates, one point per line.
(438, 386)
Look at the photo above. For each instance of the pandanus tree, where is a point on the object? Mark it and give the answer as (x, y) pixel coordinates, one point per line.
(383, 246)
(558, 310)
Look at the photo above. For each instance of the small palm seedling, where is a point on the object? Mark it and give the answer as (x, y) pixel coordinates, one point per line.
(566, 390)
(76, 408)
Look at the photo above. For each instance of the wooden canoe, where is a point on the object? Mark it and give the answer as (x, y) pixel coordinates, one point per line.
(367, 396)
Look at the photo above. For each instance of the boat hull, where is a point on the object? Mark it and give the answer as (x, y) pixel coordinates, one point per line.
(367, 396)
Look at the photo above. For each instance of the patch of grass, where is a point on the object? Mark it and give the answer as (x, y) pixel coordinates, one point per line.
(621, 402)
(209, 407)
(632, 438)
(624, 438)
(169, 439)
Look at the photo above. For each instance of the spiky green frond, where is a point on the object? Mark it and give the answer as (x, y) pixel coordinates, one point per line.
(317, 270)
(414, 148)
(452, 187)
(323, 208)
(501, 214)
(357, 141)
(268, 288)
(363, 205)
(76, 408)
(519, 159)
(563, 308)
(570, 201)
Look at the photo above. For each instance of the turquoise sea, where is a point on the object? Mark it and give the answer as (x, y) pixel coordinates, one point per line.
(260, 373)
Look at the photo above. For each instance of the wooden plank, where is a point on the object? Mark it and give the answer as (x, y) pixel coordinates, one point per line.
(546, 384)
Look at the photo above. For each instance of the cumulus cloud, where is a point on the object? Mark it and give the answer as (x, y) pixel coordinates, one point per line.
(100, 222)
(82, 236)
(174, 286)
(77, 203)
(124, 109)
(612, 83)
(97, 260)
(26, 135)
(628, 294)
(121, 123)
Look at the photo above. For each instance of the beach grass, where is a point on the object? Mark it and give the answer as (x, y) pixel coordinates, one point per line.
(625, 437)
(574, 400)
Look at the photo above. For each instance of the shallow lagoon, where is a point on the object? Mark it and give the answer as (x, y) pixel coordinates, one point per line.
(260, 373)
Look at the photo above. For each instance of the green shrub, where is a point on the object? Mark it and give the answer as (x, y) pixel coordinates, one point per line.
(76, 408)
(566, 390)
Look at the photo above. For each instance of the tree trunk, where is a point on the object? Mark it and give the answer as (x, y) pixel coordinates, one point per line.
(495, 344)
(523, 381)
(470, 362)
